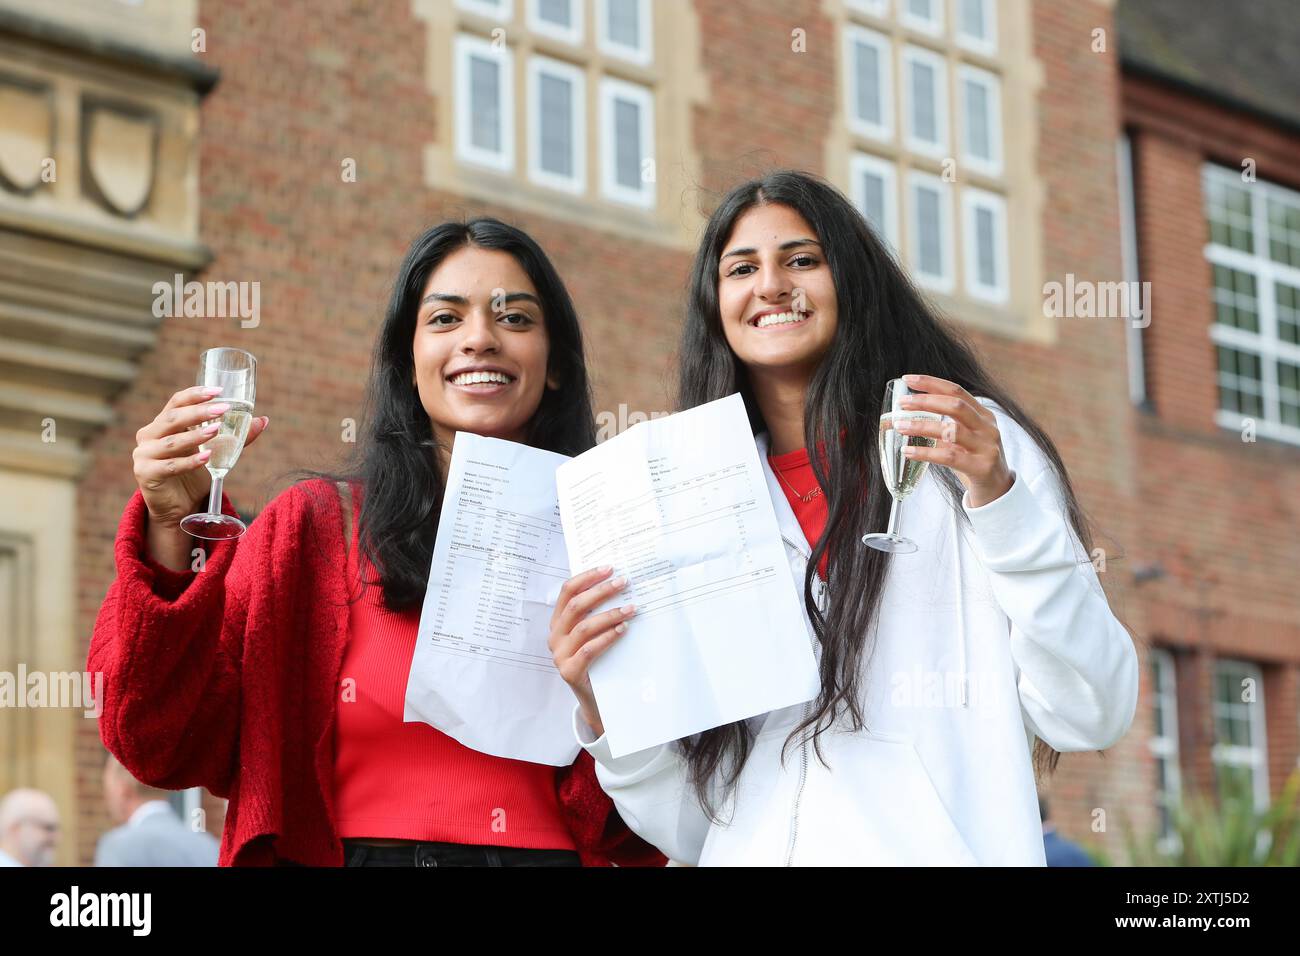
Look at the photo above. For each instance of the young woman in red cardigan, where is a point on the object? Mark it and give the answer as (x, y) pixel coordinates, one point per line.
(273, 677)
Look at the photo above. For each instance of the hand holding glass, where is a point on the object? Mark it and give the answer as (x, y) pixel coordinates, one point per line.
(902, 474)
(234, 370)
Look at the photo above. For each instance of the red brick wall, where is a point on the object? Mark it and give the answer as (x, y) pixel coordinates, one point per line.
(298, 94)
(768, 105)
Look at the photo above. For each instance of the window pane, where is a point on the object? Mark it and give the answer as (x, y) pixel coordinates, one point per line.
(1240, 389)
(555, 97)
(1283, 232)
(977, 120)
(924, 120)
(873, 202)
(921, 8)
(986, 267)
(558, 12)
(1288, 388)
(624, 23)
(867, 75)
(1242, 728)
(1158, 681)
(1223, 687)
(972, 18)
(1227, 207)
(1234, 299)
(928, 226)
(485, 104)
(1288, 312)
(627, 143)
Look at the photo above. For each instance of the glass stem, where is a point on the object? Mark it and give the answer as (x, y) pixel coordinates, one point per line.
(214, 496)
(893, 518)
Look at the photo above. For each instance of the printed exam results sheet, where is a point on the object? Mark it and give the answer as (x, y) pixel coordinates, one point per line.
(482, 672)
(680, 506)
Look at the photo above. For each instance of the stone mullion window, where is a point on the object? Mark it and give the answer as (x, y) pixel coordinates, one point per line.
(933, 90)
(567, 108)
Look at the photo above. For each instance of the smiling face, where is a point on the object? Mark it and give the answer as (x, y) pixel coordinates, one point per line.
(480, 346)
(775, 293)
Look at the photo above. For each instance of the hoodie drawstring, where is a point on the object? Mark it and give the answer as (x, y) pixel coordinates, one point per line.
(961, 613)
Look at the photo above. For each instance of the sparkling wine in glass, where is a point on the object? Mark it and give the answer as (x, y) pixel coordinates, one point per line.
(235, 371)
(902, 474)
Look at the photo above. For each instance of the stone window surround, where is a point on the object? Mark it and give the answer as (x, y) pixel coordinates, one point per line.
(1021, 75)
(674, 76)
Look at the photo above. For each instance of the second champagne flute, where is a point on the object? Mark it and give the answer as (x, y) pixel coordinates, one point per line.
(902, 474)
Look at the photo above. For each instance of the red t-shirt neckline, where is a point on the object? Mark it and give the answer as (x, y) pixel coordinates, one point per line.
(794, 471)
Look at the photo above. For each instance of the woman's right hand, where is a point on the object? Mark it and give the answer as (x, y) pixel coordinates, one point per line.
(577, 639)
(169, 468)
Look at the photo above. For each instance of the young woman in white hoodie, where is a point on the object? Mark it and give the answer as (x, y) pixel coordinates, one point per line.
(950, 677)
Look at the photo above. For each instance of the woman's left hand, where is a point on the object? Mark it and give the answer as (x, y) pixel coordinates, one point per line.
(968, 442)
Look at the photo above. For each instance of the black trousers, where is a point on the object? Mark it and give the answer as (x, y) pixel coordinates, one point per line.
(453, 854)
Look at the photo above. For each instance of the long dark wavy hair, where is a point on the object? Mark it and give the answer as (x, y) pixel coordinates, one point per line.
(885, 329)
(394, 463)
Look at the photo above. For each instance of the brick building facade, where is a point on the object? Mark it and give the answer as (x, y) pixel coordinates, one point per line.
(1213, 134)
(337, 131)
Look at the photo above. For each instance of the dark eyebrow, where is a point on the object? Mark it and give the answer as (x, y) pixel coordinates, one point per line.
(525, 296)
(454, 299)
(749, 250)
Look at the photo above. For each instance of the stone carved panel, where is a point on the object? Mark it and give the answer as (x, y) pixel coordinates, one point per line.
(16, 616)
(119, 154)
(27, 133)
(82, 245)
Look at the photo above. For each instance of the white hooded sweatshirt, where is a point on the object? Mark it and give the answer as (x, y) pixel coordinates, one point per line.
(988, 636)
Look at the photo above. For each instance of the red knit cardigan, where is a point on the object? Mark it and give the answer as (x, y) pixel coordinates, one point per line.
(228, 679)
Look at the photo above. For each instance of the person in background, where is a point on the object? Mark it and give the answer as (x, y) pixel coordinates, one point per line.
(150, 833)
(1059, 850)
(29, 828)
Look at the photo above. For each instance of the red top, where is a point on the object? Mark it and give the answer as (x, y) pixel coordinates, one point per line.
(411, 781)
(795, 476)
(229, 679)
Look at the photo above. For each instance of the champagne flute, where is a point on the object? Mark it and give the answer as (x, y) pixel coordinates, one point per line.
(902, 474)
(234, 370)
